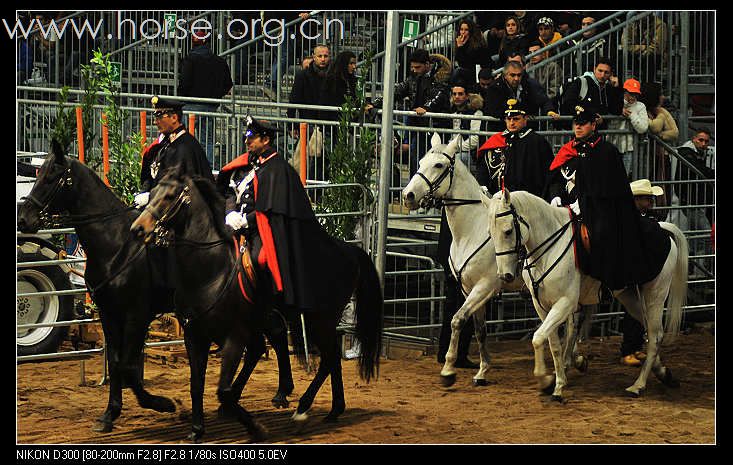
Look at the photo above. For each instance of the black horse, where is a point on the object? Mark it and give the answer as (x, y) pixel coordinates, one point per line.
(193, 211)
(119, 275)
(117, 271)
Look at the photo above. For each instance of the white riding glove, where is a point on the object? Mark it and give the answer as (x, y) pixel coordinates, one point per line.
(236, 220)
(142, 199)
(575, 207)
(556, 202)
(485, 190)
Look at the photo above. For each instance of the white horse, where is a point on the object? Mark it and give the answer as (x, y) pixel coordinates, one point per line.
(442, 176)
(520, 222)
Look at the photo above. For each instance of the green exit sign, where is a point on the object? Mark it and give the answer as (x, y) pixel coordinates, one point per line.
(115, 73)
(170, 25)
(410, 30)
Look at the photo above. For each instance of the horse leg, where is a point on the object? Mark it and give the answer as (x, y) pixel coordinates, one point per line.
(252, 356)
(231, 355)
(571, 336)
(479, 326)
(548, 330)
(198, 355)
(104, 423)
(278, 338)
(475, 300)
(332, 356)
(306, 401)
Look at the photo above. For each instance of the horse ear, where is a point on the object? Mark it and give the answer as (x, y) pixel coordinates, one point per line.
(435, 140)
(58, 151)
(453, 145)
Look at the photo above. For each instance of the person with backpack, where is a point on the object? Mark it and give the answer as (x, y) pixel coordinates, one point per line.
(594, 89)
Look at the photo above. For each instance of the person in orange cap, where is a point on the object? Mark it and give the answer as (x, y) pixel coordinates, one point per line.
(636, 118)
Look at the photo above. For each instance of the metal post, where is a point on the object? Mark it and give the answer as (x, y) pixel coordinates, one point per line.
(175, 64)
(278, 67)
(385, 157)
(684, 69)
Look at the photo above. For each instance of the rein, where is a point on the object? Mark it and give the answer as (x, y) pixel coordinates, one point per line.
(524, 255)
(460, 272)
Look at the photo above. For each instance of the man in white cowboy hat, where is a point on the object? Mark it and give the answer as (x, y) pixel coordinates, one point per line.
(631, 347)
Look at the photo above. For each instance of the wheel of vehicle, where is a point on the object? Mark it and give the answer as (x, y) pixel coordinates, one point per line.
(41, 309)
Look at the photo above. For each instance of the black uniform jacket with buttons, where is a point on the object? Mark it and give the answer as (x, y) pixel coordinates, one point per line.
(179, 150)
(621, 252)
(296, 250)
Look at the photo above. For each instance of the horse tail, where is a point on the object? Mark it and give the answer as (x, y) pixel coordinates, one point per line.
(678, 288)
(369, 314)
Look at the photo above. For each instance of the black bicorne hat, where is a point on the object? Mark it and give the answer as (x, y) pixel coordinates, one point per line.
(262, 128)
(165, 105)
(584, 115)
(514, 107)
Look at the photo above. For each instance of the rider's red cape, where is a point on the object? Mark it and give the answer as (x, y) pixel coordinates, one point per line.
(268, 254)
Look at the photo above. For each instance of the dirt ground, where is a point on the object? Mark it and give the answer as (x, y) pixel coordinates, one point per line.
(406, 405)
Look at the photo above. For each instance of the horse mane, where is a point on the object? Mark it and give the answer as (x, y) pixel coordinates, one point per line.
(214, 200)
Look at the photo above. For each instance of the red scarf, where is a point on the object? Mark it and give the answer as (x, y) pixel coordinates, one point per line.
(494, 142)
(567, 152)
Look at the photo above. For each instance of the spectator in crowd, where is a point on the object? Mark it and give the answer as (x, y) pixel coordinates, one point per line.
(309, 82)
(527, 22)
(593, 47)
(205, 75)
(485, 79)
(549, 74)
(428, 90)
(25, 61)
(647, 46)
(635, 117)
(698, 153)
(601, 92)
(465, 103)
(290, 46)
(514, 84)
(632, 345)
(492, 23)
(662, 125)
(514, 40)
(472, 53)
(517, 158)
(547, 35)
(567, 22)
(340, 83)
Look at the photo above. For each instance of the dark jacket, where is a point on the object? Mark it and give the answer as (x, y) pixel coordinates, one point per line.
(334, 92)
(620, 255)
(519, 44)
(429, 91)
(529, 93)
(608, 100)
(467, 59)
(183, 153)
(307, 91)
(204, 74)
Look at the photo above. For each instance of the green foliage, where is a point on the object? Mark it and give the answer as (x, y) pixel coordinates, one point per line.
(64, 128)
(350, 161)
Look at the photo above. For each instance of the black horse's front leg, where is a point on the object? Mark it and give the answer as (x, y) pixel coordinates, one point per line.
(104, 423)
(198, 355)
(278, 338)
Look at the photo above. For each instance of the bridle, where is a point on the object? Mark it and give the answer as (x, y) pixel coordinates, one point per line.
(429, 200)
(524, 255)
(161, 230)
(59, 220)
(44, 216)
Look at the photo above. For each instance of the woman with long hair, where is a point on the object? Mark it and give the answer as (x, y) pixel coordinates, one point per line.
(340, 81)
(472, 52)
(514, 40)
(663, 125)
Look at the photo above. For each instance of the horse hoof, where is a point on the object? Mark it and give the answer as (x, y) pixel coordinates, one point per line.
(331, 418)
(581, 363)
(559, 399)
(224, 413)
(280, 402)
(101, 426)
(161, 404)
(480, 382)
(634, 393)
(448, 381)
(258, 432)
(669, 380)
(195, 436)
(550, 388)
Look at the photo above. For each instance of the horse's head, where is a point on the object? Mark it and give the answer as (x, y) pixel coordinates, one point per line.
(49, 193)
(509, 232)
(166, 200)
(434, 176)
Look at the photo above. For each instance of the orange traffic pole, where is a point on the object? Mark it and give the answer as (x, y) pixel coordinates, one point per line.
(191, 123)
(144, 129)
(105, 148)
(80, 134)
(303, 154)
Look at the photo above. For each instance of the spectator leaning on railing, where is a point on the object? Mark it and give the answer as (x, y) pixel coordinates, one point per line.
(662, 125)
(635, 117)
